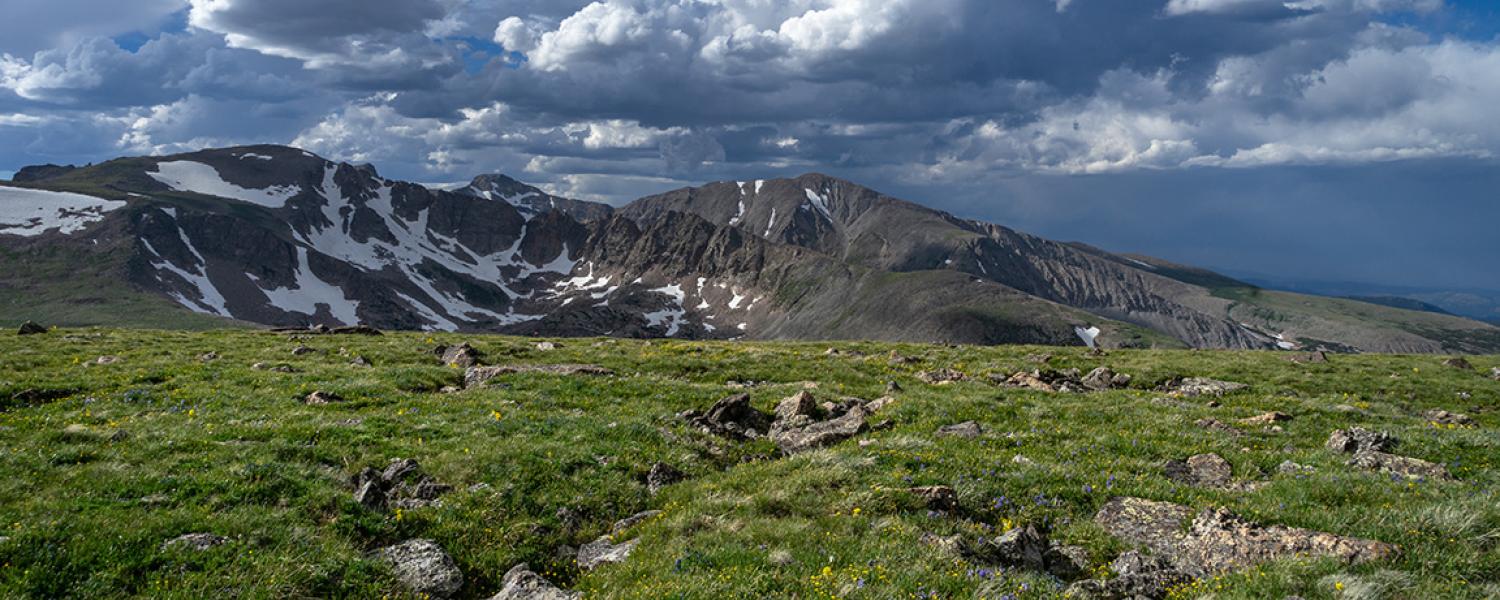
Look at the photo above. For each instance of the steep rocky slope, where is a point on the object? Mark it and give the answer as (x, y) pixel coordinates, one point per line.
(278, 236)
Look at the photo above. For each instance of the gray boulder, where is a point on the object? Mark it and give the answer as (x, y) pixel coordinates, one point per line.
(735, 418)
(1201, 470)
(1358, 439)
(1458, 363)
(1215, 540)
(1104, 378)
(1443, 417)
(30, 328)
(462, 356)
(820, 434)
(1410, 468)
(604, 551)
(966, 429)
(1193, 387)
(1135, 575)
(423, 567)
(520, 583)
(662, 475)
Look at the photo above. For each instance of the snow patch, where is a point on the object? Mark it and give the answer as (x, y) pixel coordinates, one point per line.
(198, 178)
(27, 212)
(737, 217)
(770, 224)
(309, 293)
(1087, 335)
(209, 301)
(820, 202)
(254, 156)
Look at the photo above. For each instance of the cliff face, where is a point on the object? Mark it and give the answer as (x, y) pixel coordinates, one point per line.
(278, 236)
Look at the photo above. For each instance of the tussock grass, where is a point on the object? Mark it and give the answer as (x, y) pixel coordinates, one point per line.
(165, 444)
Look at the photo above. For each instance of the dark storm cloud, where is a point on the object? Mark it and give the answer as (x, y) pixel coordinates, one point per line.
(1145, 108)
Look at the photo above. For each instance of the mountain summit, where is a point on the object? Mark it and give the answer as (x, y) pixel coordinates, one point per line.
(278, 236)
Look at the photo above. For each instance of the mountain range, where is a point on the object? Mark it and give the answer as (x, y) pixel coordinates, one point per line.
(278, 236)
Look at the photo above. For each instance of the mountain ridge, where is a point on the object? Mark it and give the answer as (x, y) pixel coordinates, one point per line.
(279, 236)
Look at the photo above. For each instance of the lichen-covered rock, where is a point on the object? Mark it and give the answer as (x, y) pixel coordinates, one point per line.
(941, 376)
(966, 429)
(1411, 468)
(1024, 547)
(735, 418)
(1201, 470)
(1443, 417)
(520, 583)
(479, 375)
(1270, 418)
(1358, 439)
(195, 541)
(1213, 424)
(1104, 378)
(1134, 575)
(603, 551)
(821, 433)
(1216, 540)
(423, 567)
(462, 356)
(801, 404)
(1193, 387)
(662, 475)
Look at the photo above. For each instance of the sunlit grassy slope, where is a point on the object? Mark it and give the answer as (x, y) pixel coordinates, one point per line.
(221, 448)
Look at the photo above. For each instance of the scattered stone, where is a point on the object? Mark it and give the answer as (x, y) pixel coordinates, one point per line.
(1200, 470)
(1039, 358)
(106, 360)
(1358, 439)
(1495, 373)
(734, 418)
(1193, 387)
(1025, 547)
(819, 434)
(1213, 424)
(626, 523)
(302, 351)
(897, 359)
(261, 366)
(880, 403)
(1458, 363)
(937, 497)
(1103, 378)
(401, 485)
(321, 397)
(1045, 380)
(546, 346)
(198, 542)
(1309, 357)
(603, 551)
(891, 387)
(966, 429)
(1443, 417)
(521, 583)
(423, 567)
(208, 357)
(361, 361)
(941, 376)
(355, 330)
(1290, 468)
(479, 375)
(31, 328)
(1410, 468)
(662, 475)
(82, 433)
(1022, 460)
(462, 356)
(1135, 575)
(1216, 540)
(1269, 418)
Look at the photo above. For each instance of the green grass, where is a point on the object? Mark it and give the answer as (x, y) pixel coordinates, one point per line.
(218, 447)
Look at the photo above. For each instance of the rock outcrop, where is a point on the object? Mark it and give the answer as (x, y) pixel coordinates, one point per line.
(423, 568)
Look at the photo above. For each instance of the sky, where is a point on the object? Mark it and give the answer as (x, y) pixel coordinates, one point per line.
(1341, 140)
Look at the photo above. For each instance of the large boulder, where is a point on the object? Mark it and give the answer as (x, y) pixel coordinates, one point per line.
(1358, 439)
(520, 583)
(423, 567)
(1458, 363)
(735, 418)
(462, 356)
(30, 328)
(1216, 540)
(821, 433)
(801, 404)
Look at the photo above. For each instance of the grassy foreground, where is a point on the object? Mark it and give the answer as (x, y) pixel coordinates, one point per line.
(219, 447)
